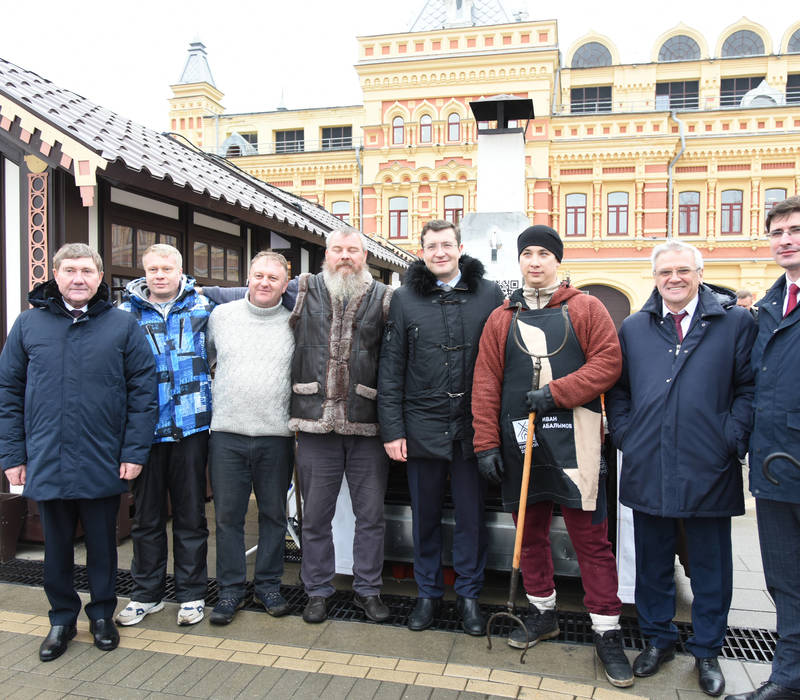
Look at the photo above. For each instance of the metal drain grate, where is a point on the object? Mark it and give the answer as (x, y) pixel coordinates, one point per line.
(740, 643)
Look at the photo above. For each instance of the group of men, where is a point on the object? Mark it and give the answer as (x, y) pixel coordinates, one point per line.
(439, 375)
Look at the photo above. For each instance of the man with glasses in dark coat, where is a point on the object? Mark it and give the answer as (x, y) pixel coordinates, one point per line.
(424, 394)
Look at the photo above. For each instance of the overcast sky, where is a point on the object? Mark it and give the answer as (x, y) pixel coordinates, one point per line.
(125, 55)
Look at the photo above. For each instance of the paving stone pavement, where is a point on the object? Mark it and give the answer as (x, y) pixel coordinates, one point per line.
(257, 656)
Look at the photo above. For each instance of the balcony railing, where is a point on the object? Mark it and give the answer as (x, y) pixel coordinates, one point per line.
(297, 146)
(664, 103)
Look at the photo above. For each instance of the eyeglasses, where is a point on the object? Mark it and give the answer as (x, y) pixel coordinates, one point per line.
(777, 233)
(680, 271)
(447, 246)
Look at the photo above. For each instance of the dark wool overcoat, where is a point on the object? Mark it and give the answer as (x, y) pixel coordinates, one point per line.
(428, 357)
(777, 404)
(77, 397)
(681, 414)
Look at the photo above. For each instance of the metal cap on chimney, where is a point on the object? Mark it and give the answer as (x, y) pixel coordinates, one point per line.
(501, 109)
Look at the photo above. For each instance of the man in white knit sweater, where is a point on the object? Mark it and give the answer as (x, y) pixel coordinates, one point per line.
(251, 446)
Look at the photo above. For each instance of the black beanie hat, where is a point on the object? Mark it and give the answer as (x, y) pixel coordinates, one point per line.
(543, 236)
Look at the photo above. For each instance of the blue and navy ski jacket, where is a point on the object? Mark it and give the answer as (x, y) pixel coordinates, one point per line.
(178, 342)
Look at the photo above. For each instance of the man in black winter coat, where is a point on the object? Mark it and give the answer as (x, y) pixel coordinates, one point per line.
(78, 407)
(424, 396)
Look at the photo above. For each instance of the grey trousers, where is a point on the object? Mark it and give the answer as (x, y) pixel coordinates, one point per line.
(321, 462)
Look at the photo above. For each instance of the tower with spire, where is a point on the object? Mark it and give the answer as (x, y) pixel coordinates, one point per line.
(195, 97)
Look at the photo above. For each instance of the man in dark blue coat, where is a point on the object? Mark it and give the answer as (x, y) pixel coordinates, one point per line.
(77, 412)
(681, 414)
(424, 407)
(777, 429)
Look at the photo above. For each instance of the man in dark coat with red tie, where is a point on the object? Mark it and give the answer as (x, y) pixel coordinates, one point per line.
(681, 414)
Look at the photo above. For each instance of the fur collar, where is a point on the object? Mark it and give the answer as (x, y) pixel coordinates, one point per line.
(422, 281)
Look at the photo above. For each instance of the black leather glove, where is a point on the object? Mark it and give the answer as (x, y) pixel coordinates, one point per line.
(490, 465)
(540, 401)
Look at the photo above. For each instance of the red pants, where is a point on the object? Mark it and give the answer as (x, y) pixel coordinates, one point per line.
(597, 563)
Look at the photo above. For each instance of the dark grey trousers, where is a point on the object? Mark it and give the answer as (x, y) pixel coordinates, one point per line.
(321, 462)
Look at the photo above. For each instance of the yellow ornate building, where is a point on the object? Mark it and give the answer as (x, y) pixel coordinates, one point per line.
(695, 142)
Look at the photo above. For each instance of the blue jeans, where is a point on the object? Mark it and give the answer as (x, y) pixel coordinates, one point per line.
(779, 533)
(711, 564)
(239, 464)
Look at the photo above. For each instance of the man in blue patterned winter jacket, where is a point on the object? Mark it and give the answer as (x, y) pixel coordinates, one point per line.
(173, 317)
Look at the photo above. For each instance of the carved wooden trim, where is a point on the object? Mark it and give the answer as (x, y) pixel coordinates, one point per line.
(37, 228)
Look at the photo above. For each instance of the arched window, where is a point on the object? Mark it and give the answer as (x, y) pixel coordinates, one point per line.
(794, 43)
(454, 208)
(772, 197)
(398, 217)
(679, 48)
(425, 129)
(743, 43)
(453, 127)
(398, 130)
(617, 213)
(341, 210)
(689, 213)
(576, 214)
(731, 219)
(591, 55)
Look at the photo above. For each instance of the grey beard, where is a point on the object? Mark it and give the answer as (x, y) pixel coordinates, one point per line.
(342, 287)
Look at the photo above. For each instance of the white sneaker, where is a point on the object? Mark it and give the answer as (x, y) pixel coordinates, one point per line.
(191, 612)
(135, 611)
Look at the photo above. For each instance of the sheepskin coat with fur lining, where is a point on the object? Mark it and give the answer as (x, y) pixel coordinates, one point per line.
(335, 364)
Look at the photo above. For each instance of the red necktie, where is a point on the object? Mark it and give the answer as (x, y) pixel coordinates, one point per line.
(791, 302)
(677, 318)
(76, 313)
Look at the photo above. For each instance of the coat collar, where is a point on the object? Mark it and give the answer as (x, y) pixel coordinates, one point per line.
(422, 281)
(47, 296)
(712, 301)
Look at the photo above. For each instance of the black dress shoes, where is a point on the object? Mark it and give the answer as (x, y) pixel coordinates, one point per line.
(372, 605)
(709, 676)
(422, 615)
(55, 643)
(316, 610)
(650, 660)
(768, 691)
(471, 617)
(104, 631)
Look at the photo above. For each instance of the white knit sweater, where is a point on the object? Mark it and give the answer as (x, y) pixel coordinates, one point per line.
(253, 350)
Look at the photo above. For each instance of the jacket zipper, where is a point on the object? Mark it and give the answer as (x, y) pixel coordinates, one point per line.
(153, 336)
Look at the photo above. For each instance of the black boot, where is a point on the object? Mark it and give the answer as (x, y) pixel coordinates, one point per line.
(55, 643)
(472, 620)
(422, 615)
(541, 625)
